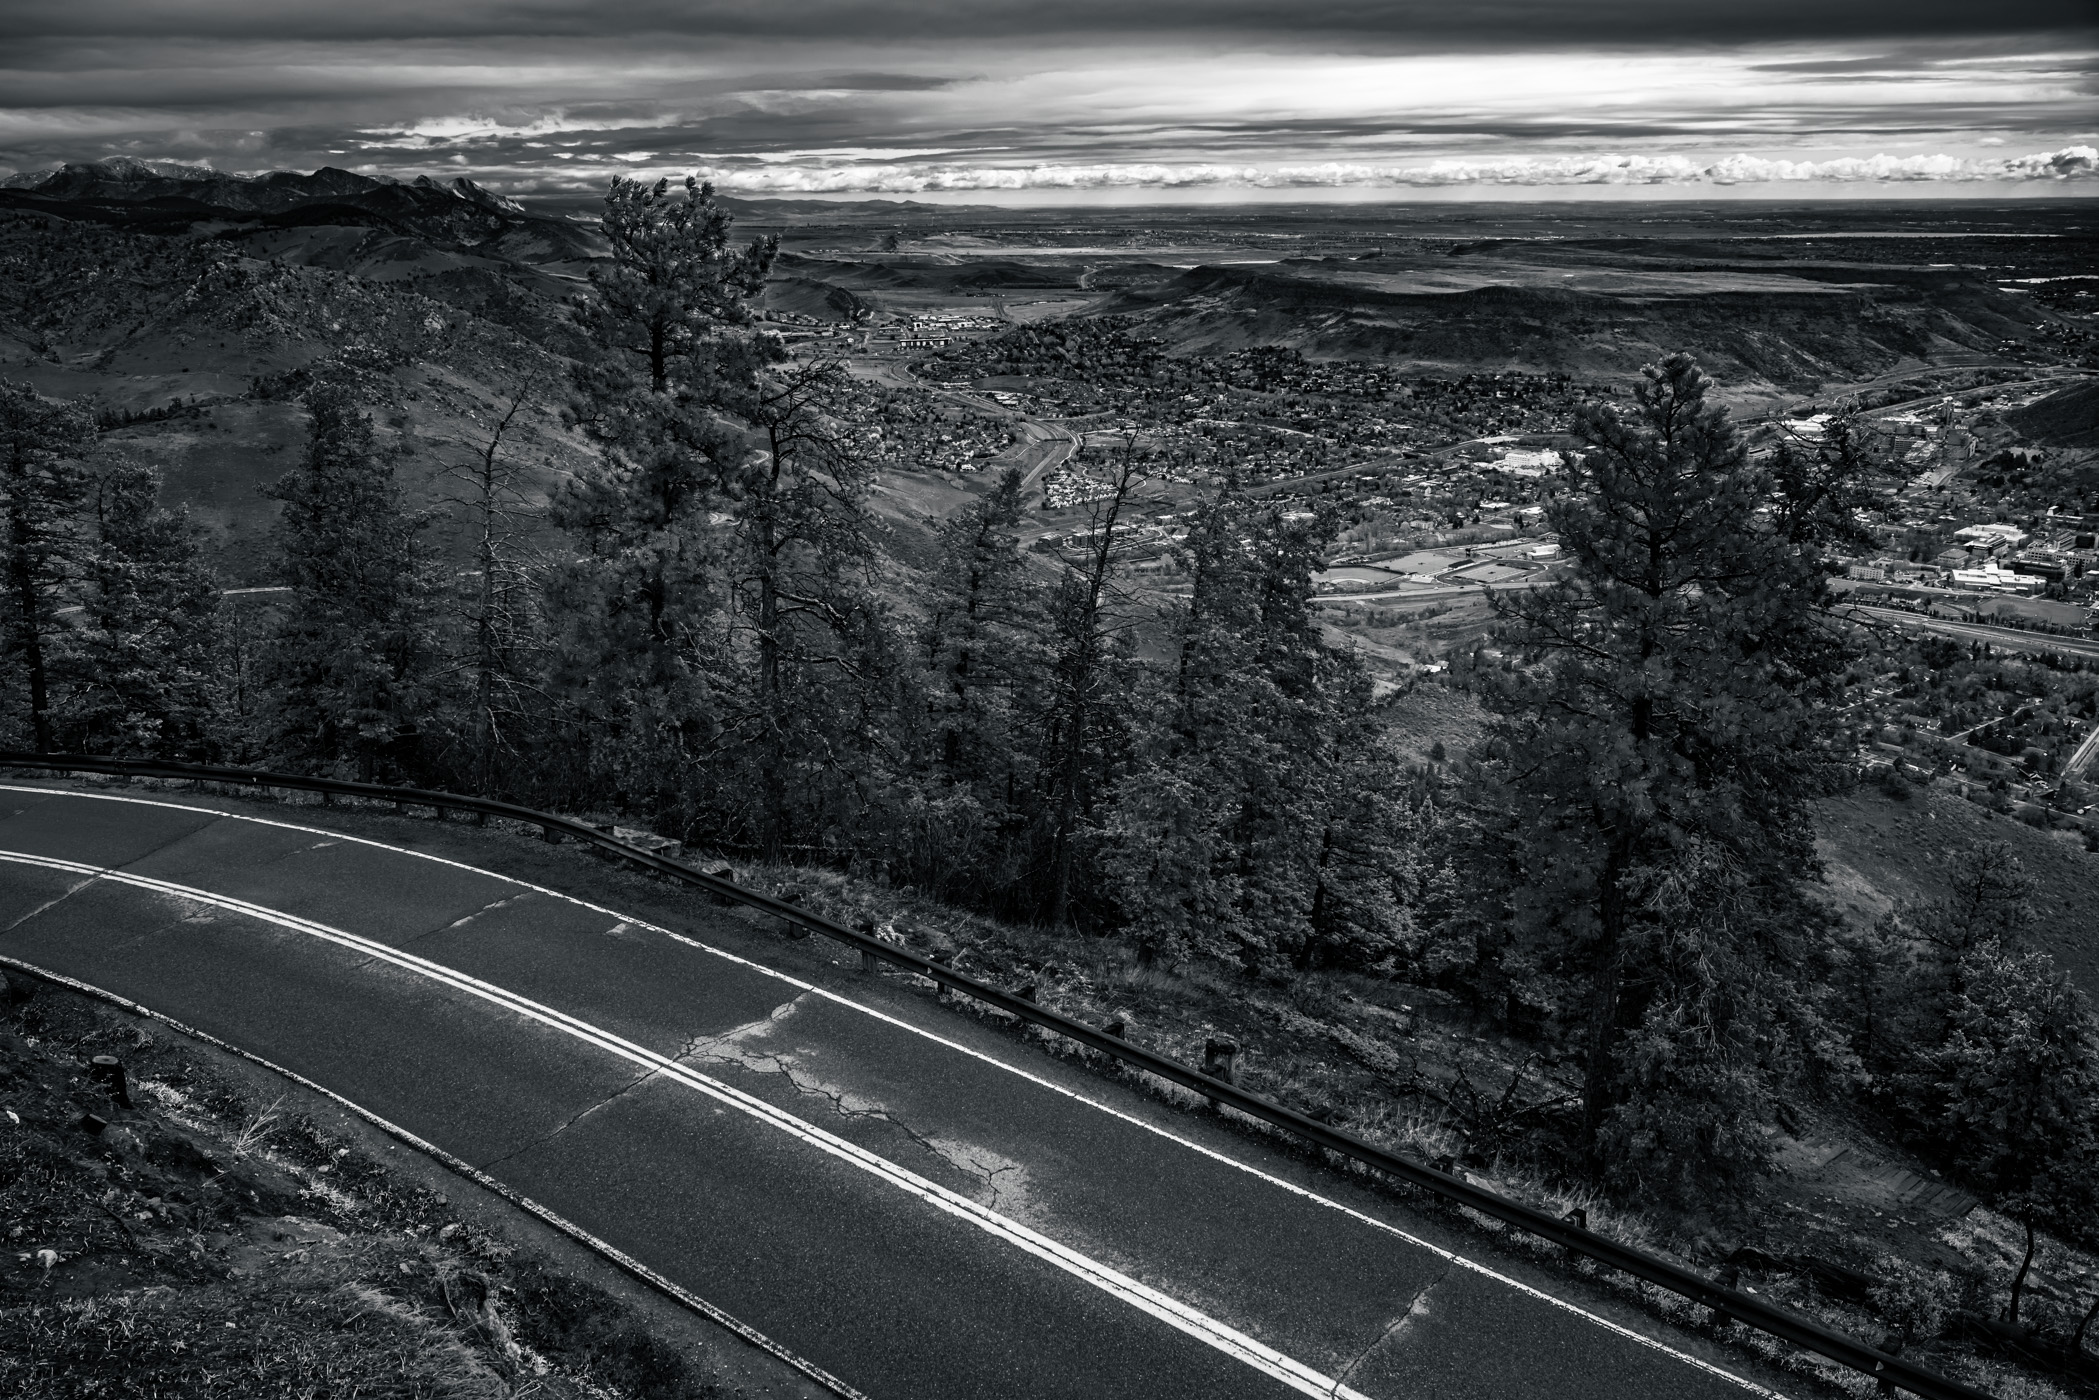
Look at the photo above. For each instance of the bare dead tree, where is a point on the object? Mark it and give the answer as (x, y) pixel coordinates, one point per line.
(495, 606)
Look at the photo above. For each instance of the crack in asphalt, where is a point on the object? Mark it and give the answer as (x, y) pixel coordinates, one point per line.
(51, 904)
(171, 841)
(627, 1088)
(145, 855)
(1003, 1181)
(467, 918)
(1398, 1324)
(726, 1049)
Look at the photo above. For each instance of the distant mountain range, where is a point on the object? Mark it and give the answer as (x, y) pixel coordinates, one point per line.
(128, 181)
(161, 197)
(153, 189)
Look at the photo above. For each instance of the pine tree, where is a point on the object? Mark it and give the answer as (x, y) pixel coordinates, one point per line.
(672, 288)
(2015, 1099)
(810, 652)
(1257, 823)
(351, 663)
(1079, 722)
(642, 601)
(977, 638)
(1657, 748)
(1365, 853)
(149, 645)
(1174, 859)
(46, 488)
(670, 315)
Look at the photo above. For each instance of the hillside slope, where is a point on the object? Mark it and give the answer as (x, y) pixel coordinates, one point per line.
(194, 352)
(1787, 325)
(1881, 852)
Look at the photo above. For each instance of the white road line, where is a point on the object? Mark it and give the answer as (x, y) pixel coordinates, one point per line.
(1172, 1311)
(1456, 1260)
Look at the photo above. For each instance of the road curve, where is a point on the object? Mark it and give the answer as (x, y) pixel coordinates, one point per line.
(904, 1197)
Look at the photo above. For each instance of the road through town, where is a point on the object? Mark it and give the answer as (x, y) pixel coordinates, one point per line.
(2017, 638)
(911, 1200)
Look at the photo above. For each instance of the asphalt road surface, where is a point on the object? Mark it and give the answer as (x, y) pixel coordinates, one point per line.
(908, 1198)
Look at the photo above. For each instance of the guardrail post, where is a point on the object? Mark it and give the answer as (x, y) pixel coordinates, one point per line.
(727, 875)
(1892, 1345)
(940, 988)
(108, 1069)
(868, 961)
(1730, 1279)
(549, 835)
(1118, 1028)
(1217, 1063)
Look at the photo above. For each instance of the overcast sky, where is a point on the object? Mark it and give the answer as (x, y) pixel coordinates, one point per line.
(1055, 99)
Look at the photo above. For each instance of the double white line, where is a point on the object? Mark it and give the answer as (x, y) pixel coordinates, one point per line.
(1174, 1313)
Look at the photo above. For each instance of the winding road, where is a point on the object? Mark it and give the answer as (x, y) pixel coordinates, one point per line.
(910, 1200)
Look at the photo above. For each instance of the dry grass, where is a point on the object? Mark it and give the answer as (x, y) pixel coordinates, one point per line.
(1899, 851)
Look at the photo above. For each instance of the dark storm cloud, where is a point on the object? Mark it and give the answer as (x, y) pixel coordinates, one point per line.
(1491, 23)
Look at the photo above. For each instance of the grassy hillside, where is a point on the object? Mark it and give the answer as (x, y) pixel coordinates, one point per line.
(194, 351)
(1777, 325)
(1881, 852)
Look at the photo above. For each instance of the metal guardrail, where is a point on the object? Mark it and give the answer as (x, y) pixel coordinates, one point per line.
(1741, 1307)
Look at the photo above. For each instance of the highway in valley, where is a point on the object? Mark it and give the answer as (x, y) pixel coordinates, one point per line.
(2015, 637)
(910, 1200)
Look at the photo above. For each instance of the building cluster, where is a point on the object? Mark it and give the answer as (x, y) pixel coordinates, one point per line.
(937, 332)
(914, 431)
(2049, 556)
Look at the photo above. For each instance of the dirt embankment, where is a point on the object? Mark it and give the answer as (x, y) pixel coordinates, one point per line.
(199, 1235)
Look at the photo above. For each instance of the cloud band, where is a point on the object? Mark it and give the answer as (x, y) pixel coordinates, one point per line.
(2068, 164)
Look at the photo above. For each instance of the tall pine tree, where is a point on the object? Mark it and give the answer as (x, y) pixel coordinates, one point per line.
(978, 638)
(498, 637)
(350, 665)
(802, 681)
(1658, 744)
(677, 358)
(1261, 821)
(44, 488)
(149, 679)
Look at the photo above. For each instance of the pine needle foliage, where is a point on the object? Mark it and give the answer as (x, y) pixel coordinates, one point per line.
(349, 667)
(44, 488)
(1658, 740)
